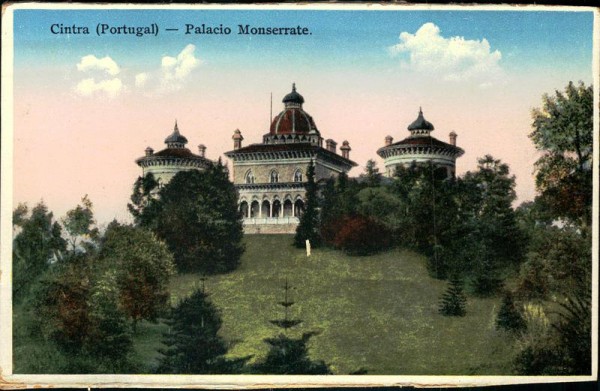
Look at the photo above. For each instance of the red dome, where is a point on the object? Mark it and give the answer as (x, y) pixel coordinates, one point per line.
(292, 120)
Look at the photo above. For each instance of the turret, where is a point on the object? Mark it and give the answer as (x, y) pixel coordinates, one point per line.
(237, 139)
(345, 148)
(201, 150)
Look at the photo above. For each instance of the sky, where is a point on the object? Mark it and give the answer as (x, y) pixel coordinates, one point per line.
(87, 105)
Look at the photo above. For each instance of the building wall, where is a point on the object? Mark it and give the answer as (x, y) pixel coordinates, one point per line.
(164, 173)
(285, 168)
(407, 160)
(262, 170)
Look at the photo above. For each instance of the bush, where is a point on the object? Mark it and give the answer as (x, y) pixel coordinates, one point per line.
(360, 235)
(453, 301)
(509, 317)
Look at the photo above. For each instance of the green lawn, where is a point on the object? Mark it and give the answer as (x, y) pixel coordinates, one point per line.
(378, 313)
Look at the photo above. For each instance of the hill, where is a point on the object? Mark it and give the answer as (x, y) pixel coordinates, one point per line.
(378, 313)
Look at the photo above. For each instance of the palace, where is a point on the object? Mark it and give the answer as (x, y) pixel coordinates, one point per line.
(271, 176)
(420, 148)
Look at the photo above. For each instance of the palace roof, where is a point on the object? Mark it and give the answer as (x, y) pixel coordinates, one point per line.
(293, 119)
(289, 149)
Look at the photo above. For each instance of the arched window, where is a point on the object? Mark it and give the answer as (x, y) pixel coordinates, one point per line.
(274, 176)
(298, 176)
(249, 177)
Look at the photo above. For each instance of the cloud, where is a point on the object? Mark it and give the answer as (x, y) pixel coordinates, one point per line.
(171, 75)
(179, 67)
(91, 62)
(141, 79)
(111, 87)
(452, 59)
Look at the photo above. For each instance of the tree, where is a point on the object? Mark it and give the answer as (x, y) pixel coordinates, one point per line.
(196, 215)
(563, 347)
(289, 356)
(574, 330)
(143, 206)
(77, 309)
(372, 176)
(509, 317)
(492, 210)
(308, 229)
(38, 242)
(453, 301)
(80, 224)
(193, 343)
(563, 132)
(143, 267)
(339, 200)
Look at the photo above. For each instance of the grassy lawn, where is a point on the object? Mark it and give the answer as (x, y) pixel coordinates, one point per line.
(378, 313)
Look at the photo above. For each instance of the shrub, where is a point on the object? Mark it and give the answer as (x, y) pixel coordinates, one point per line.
(360, 235)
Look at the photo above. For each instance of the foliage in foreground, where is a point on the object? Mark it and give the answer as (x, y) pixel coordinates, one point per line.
(193, 345)
(289, 356)
(87, 302)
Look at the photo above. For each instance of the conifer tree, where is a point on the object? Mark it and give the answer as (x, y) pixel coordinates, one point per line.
(193, 343)
(308, 229)
(509, 317)
(289, 356)
(453, 301)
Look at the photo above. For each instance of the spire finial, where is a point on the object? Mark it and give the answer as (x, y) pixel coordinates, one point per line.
(293, 87)
(420, 111)
(176, 128)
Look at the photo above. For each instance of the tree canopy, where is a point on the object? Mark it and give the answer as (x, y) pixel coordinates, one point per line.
(196, 215)
(563, 132)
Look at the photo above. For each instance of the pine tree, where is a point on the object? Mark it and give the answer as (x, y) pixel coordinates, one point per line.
(509, 317)
(193, 344)
(289, 356)
(453, 301)
(308, 229)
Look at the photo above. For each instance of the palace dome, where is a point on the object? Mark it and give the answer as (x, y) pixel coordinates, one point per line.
(421, 123)
(293, 119)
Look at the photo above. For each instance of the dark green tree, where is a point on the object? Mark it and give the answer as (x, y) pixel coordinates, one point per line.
(289, 356)
(453, 302)
(37, 243)
(563, 132)
(193, 345)
(509, 317)
(196, 215)
(574, 329)
(339, 199)
(144, 200)
(372, 176)
(308, 229)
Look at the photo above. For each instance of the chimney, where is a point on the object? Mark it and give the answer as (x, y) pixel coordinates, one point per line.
(201, 150)
(237, 139)
(149, 151)
(330, 145)
(345, 148)
(389, 140)
(453, 138)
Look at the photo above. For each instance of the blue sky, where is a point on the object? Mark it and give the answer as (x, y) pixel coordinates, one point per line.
(340, 38)
(363, 74)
